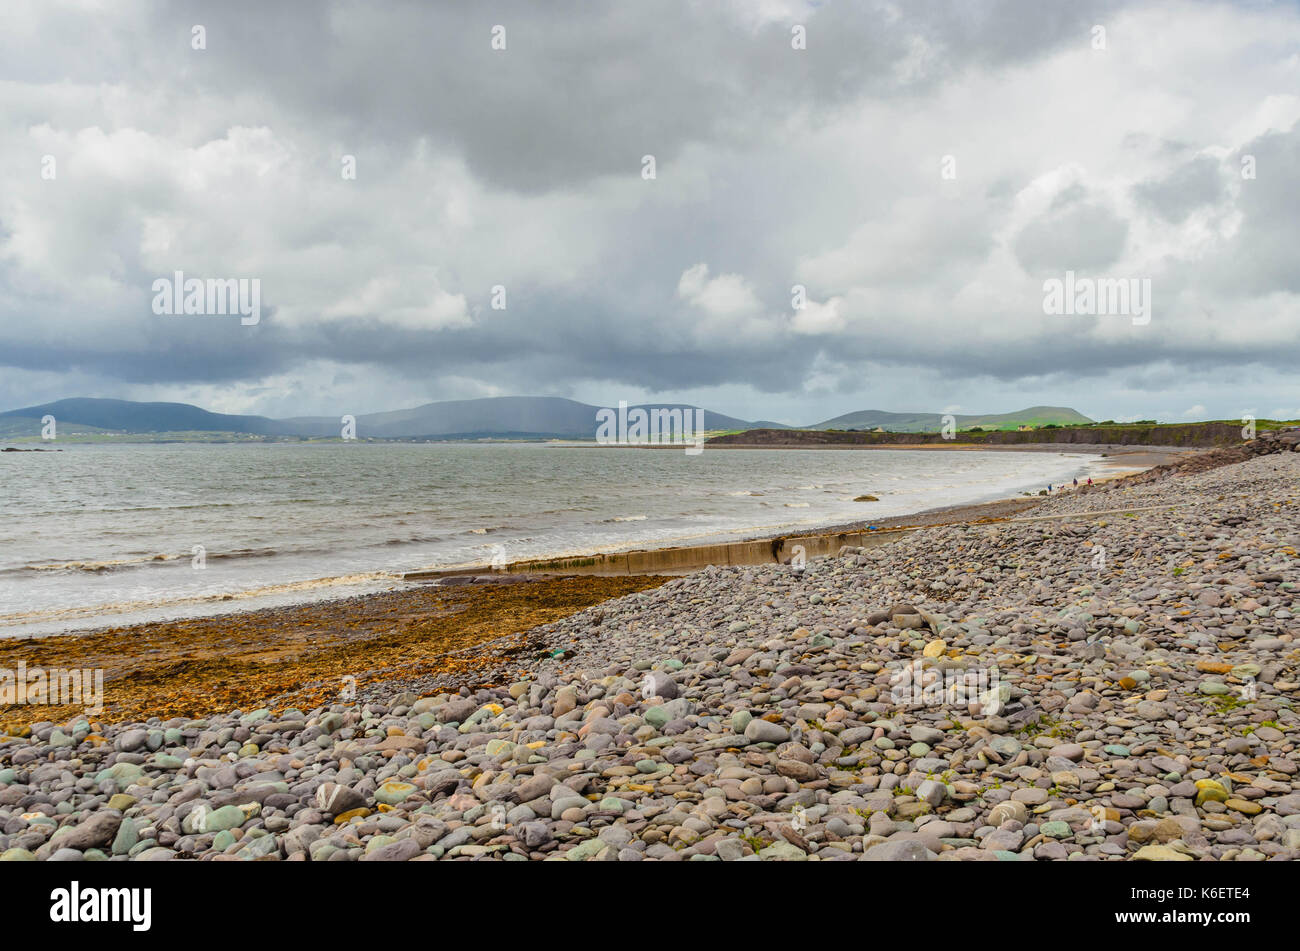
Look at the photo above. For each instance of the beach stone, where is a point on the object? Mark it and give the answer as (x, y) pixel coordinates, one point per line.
(402, 850)
(338, 799)
(761, 731)
(1160, 853)
(1008, 810)
(457, 710)
(97, 830)
(906, 850)
(125, 838)
(1210, 790)
(393, 792)
(226, 817)
(659, 684)
(782, 852)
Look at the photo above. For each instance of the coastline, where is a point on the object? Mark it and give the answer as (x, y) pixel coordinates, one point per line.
(818, 540)
(158, 665)
(738, 538)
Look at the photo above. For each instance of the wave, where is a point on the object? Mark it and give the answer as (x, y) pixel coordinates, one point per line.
(413, 540)
(210, 597)
(118, 564)
(111, 564)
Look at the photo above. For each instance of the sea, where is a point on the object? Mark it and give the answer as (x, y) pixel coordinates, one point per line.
(103, 535)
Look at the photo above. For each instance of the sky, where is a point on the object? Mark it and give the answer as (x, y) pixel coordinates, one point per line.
(650, 189)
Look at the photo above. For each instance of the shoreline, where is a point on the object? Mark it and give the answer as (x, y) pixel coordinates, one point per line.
(762, 547)
(817, 541)
(163, 660)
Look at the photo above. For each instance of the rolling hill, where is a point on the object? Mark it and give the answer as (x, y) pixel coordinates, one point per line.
(870, 419)
(501, 417)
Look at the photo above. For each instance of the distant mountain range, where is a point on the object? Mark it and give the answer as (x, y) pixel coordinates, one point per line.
(503, 417)
(531, 417)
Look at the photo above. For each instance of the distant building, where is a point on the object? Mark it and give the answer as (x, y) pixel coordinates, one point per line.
(1024, 429)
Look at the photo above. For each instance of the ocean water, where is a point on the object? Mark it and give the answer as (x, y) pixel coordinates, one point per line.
(111, 534)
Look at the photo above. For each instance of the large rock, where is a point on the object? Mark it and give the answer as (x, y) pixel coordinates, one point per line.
(761, 731)
(456, 710)
(95, 832)
(403, 850)
(338, 799)
(658, 684)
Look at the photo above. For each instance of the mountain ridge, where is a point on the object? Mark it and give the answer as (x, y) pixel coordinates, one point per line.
(1037, 416)
(489, 417)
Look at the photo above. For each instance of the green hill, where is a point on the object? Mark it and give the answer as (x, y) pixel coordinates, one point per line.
(1036, 416)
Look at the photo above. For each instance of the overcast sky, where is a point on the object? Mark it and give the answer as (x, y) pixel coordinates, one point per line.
(920, 168)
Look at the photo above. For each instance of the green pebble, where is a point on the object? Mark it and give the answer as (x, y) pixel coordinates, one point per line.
(585, 850)
(126, 837)
(223, 840)
(227, 817)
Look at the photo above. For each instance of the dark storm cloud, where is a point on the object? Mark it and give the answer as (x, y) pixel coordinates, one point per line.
(585, 89)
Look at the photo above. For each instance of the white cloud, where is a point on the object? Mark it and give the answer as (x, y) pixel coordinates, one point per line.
(727, 295)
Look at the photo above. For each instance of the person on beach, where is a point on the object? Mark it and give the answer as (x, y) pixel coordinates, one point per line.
(1090, 480)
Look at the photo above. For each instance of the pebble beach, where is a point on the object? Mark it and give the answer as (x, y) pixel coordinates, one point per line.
(1110, 675)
